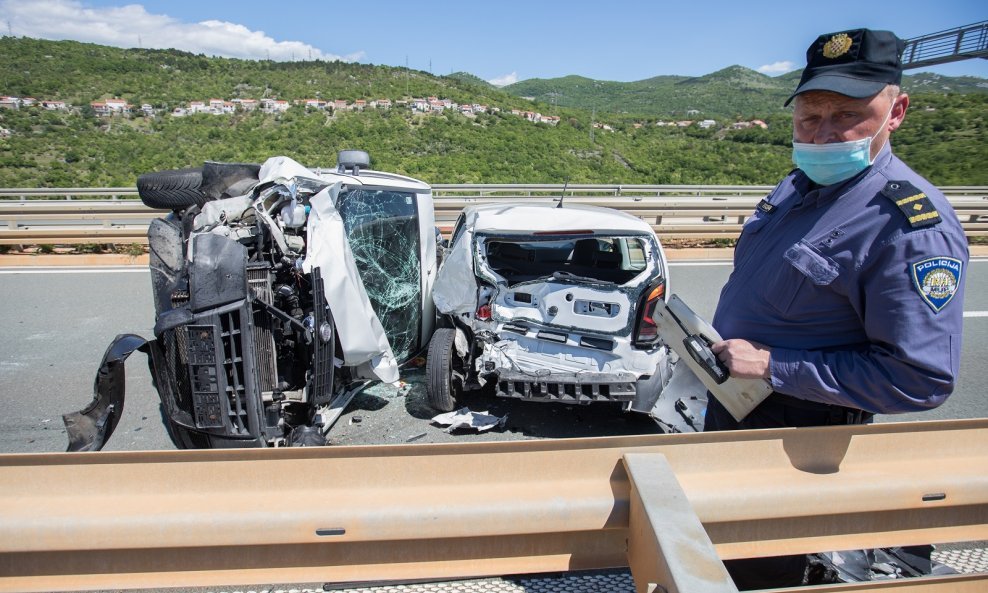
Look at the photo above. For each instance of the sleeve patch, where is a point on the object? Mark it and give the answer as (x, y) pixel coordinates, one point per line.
(937, 279)
(913, 203)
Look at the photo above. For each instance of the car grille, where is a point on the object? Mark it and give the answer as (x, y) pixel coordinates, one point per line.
(322, 352)
(259, 281)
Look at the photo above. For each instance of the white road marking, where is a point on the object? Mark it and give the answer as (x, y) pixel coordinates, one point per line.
(87, 270)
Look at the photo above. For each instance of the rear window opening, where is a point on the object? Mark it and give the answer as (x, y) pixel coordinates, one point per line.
(607, 259)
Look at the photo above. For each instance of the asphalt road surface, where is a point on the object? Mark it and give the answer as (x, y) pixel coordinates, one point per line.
(57, 322)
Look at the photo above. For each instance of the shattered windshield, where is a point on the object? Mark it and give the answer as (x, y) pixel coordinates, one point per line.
(607, 259)
(383, 231)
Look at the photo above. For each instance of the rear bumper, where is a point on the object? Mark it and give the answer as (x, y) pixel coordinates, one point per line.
(572, 388)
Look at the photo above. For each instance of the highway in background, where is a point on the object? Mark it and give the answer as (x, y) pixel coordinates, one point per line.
(57, 322)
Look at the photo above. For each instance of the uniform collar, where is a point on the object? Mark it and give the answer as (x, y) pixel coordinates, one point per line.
(812, 194)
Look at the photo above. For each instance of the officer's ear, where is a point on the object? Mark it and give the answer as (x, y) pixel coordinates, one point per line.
(899, 106)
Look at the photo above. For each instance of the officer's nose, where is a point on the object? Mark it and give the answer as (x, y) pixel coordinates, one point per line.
(825, 133)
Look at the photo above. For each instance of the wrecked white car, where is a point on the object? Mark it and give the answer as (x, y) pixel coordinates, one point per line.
(552, 304)
(278, 291)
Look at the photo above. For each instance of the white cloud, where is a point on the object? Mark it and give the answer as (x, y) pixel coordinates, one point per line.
(133, 26)
(777, 68)
(504, 80)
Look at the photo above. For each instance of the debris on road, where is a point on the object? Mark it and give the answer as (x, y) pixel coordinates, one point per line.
(465, 418)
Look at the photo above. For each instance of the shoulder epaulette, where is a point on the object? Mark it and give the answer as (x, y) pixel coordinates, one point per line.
(914, 203)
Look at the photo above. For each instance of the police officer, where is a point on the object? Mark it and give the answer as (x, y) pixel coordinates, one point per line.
(848, 281)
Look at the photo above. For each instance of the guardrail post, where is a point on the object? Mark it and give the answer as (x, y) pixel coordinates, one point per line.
(668, 548)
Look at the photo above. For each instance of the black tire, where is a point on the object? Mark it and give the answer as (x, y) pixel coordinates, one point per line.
(174, 190)
(442, 388)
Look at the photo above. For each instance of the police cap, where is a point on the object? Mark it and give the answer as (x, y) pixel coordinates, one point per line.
(857, 63)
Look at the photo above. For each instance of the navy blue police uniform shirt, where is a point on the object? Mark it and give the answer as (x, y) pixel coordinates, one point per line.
(856, 287)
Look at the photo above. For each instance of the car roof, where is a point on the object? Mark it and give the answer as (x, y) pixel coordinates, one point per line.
(374, 179)
(544, 217)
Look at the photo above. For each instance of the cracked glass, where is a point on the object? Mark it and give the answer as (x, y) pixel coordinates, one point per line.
(383, 230)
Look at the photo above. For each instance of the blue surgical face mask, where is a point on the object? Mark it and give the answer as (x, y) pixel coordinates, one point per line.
(832, 163)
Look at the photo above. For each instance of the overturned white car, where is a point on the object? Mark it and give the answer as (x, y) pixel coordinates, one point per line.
(278, 291)
(550, 303)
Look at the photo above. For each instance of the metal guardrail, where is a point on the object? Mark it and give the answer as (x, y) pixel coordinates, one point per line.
(78, 215)
(670, 507)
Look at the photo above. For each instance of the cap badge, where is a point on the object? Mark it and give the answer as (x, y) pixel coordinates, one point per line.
(837, 46)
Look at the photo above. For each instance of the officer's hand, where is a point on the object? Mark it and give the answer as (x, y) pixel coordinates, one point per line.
(746, 360)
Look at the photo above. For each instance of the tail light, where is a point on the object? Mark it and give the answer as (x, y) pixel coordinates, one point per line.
(483, 313)
(646, 330)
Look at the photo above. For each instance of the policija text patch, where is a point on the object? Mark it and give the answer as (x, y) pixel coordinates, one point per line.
(937, 280)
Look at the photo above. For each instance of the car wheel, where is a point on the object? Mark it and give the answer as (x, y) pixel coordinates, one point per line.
(444, 377)
(173, 190)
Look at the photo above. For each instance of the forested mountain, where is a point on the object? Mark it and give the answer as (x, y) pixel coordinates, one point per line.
(945, 135)
(735, 91)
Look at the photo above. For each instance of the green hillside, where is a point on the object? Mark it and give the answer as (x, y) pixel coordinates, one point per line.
(84, 72)
(945, 136)
(732, 92)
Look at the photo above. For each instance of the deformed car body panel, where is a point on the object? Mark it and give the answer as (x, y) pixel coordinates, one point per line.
(550, 299)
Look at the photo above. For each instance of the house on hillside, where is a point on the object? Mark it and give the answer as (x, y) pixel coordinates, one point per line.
(707, 123)
(54, 105)
(118, 106)
(197, 107)
(101, 109)
(28, 101)
(360, 104)
(244, 104)
(341, 105)
(10, 103)
(383, 104)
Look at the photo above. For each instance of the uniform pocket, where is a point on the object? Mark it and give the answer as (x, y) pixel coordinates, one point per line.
(820, 269)
(804, 268)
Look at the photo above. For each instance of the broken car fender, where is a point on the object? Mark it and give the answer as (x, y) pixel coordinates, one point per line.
(91, 427)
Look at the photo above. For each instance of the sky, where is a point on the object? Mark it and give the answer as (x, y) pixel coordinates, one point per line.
(501, 41)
